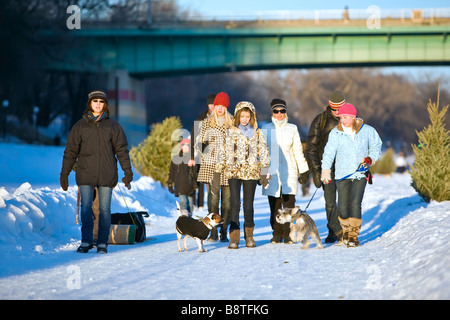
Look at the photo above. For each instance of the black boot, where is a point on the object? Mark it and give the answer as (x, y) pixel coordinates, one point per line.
(85, 247)
(331, 238)
(213, 236)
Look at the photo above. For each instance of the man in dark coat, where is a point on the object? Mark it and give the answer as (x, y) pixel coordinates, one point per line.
(321, 126)
(96, 142)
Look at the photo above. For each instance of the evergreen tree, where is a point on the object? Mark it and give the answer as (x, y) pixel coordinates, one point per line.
(431, 171)
(153, 155)
(386, 164)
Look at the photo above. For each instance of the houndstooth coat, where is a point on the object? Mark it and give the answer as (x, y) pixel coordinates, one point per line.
(214, 137)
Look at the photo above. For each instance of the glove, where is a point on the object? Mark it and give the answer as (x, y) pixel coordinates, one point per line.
(366, 162)
(264, 178)
(304, 177)
(64, 181)
(128, 178)
(326, 176)
(170, 187)
(316, 175)
(215, 183)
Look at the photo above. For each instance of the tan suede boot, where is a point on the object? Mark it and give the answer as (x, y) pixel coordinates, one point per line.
(355, 227)
(345, 225)
(249, 241)
(234, 238)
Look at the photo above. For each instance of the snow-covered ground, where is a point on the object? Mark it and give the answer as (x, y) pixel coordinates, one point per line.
(404, 252)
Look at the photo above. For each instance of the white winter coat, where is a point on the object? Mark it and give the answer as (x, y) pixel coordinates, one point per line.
(286, 157)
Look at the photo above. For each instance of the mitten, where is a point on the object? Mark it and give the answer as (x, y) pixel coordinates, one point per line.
(128, 178)
(64, 181)
(304, 177)
(366, 162)
(326, 176)
(316, 174)
(215, 183)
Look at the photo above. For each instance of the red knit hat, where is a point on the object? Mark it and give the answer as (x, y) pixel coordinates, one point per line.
(222, 99)
(347, 109)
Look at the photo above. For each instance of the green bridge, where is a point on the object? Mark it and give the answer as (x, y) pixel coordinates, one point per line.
(129, 55)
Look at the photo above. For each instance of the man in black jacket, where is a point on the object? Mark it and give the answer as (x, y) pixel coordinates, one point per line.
(321, 126)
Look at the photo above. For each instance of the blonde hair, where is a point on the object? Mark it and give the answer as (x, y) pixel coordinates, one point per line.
(228, 119)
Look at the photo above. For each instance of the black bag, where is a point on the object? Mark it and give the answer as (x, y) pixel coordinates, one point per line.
(133, 218)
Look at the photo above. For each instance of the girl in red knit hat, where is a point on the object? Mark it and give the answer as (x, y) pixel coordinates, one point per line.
(213, 132)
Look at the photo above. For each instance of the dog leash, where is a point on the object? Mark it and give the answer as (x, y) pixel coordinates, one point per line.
(310, 200)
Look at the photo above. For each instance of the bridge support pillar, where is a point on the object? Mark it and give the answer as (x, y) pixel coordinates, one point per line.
(126, 97)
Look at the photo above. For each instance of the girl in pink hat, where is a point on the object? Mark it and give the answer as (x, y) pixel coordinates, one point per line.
(354, 146)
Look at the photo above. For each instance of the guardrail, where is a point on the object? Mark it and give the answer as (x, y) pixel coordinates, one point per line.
(317, 15)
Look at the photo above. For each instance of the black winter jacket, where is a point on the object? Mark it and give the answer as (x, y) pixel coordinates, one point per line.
(192, 227)
(182, 177)
(95, 146)
(318, 138)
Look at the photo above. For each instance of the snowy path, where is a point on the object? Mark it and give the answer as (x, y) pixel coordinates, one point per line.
(395, 258)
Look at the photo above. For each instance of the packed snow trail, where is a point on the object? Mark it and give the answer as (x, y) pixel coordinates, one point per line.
(403, 253)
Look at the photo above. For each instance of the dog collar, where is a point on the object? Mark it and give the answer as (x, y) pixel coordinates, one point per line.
(207, 225)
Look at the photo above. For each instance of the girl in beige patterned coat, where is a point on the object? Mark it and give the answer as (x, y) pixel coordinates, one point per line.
(244, 154)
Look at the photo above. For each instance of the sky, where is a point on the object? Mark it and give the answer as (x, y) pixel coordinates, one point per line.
(204, 6)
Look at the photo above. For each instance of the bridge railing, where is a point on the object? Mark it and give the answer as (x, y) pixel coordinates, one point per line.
(332, 14)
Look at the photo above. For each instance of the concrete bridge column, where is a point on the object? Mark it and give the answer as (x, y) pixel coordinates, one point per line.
(126, 97)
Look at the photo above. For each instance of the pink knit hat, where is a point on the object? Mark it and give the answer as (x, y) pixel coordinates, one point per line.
(347, 110)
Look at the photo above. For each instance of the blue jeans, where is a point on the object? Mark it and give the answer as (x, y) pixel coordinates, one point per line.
(350, 196)
(87, 216)
(186, 202)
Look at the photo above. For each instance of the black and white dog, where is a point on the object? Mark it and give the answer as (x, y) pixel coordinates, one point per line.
(197, 229)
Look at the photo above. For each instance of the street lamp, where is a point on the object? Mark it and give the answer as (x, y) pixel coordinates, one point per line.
(35, 113)
(5, 105)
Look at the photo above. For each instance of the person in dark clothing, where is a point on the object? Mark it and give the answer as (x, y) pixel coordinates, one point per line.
(319, 130)
(183, 178)
(96, 142)
(195, 132)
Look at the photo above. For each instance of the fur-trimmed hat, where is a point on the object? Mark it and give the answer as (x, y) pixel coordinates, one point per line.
(278, 103)
(347, 110)
(337, 100)
(222, 99)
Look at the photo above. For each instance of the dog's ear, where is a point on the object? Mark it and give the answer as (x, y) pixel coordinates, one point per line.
(280, 210)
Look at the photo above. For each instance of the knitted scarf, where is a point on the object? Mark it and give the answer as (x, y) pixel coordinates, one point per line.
(96, 118)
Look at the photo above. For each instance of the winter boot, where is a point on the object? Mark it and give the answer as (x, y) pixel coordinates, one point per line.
(248, 234)
(101, 248)
(331, 238)
(85, 247)
(355, 227)
(345, 225)
(234, 238)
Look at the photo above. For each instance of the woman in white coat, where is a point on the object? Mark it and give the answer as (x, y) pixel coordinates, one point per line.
(287, 163)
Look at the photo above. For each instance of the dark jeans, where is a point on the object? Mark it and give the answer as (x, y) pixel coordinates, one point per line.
(104, 218)
(350, 195)
(249, 187)
(331, 208)
(213, 205)
(285, 201)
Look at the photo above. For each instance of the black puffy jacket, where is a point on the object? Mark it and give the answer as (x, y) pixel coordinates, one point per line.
(95, 146)
(320, 128)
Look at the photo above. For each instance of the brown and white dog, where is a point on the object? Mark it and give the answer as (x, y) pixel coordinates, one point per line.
(197, 229)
